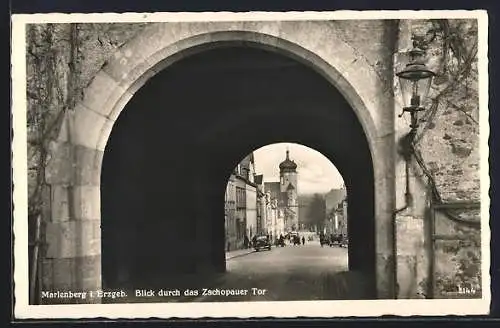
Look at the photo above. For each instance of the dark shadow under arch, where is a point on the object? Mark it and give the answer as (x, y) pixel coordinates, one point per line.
(171, 150)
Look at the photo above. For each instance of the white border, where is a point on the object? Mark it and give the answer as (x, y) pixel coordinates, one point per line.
(241, 309)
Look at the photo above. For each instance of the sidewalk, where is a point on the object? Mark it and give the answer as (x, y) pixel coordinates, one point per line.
(238, 252)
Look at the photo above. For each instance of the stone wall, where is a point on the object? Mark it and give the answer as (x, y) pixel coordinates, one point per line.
(449, 139)
(62, 59)
(449, 143)
(457, 258)
(447, 146)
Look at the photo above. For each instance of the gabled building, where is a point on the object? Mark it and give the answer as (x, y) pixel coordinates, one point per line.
(243, 204)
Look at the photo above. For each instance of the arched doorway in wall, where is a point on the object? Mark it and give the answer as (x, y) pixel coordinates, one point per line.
(167, 160)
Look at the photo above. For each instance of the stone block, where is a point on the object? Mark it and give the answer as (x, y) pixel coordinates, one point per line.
(412, 276)
(90, 268)
(63, 134)
(369, 87)
(264, 29)
(384, 227)
(87, 202)
(407, 276)
(60, 203)
(129, 62)
(384, 159)
(46, 195)
(59, 169)
(85, 206)
(386, 104)
(384, 194)
(88, 168)
(417, 186)
(331, 49)
(385, 275)
(108, 125)
(115, 107)
(126, 58)
(410, 235)
(168, 53)
(102, 93)
(73, 238)
(75, 275)
(47, 272)
(63, 272)
(186, 30)
(87, 127)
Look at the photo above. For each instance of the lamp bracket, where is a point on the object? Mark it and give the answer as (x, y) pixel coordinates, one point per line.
(413, 109)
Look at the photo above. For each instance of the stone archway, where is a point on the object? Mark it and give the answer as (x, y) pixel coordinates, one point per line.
(88, 126)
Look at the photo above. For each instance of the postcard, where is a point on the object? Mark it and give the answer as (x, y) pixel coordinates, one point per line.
(261, 164)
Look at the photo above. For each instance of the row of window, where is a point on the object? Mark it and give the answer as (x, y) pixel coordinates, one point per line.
(241, 197)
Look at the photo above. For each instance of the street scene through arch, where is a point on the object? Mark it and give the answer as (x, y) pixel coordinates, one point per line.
(286, 226)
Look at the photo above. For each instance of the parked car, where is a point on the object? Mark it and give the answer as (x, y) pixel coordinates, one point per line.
(324, 240)
(294, 238)
(262, 242)
(336, 240)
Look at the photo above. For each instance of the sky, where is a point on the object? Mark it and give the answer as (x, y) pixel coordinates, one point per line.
(316, 174)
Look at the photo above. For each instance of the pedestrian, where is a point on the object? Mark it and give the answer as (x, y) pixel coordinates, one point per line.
(303, 240)
(246, 242)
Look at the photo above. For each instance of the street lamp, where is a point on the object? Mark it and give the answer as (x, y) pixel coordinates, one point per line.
(415, 81)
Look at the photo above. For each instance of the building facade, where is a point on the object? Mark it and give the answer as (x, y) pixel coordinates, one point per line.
(274, 218)
(336, 221)
(251, 210)
(261, 205)
(230, 218)
(244, 212)
(336, 211)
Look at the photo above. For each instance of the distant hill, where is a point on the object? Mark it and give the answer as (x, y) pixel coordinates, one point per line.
(305, 201)
(333, 198)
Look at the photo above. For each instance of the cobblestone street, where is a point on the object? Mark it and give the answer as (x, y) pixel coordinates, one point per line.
(308, 272)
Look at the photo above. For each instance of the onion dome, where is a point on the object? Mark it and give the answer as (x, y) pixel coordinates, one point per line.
(287, 164)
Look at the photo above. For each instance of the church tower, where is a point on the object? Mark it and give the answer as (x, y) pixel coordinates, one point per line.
(289, 192)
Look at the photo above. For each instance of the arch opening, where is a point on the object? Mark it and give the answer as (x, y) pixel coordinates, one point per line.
(173, 146)
(286, 220)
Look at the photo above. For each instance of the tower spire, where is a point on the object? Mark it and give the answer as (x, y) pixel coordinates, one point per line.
(287, 164)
